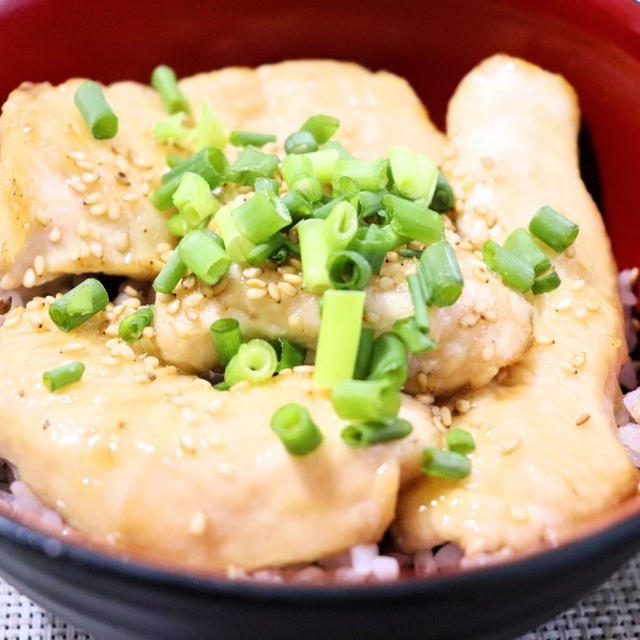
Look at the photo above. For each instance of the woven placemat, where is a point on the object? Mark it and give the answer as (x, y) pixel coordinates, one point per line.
(610, 613)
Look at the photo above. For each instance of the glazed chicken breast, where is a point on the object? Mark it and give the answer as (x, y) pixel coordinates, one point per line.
(547, 458)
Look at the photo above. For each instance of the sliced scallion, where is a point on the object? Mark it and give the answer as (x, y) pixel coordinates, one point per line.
(389, 360)
(515, 272)
(365, 349)
(366, 399)
(414, 339)
(348, 270)
(445, 464)
(290, 354)
(351, 175)
(439, 268)
(236, 245)
(261, 216)
(546, 283)
(341, 226)
(132, 327)
(200, 251)
(420, 311)
(167, 280)
(164, 81)
(292, 423)
(240, 138)
(300, 142)
(321, 127)
(323, 162)
(366, 434)
(193, 198)
(460, 441)
(227, 338)
(255, 362)
(314, 253)
(339, 336)
(78, 305)
(262, 252)
(101, 120)
(553, 229)
(62, 376)
(252, 164)
(412, 220)
(521, 244)
(443, 198)
(414, 175)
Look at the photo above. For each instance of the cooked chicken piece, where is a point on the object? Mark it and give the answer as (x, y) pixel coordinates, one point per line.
(488, 328)
(547, 457)
(72, 204)
(162, 466)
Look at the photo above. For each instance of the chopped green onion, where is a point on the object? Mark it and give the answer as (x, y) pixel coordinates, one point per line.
(414, 175)
(209, 163)
(337, 146)
(411, 220)
(267, 184)
(368, 203)
(227, 338)
(300, 142)
(261, 216)
(178, 225)
(299, 207)
(339, 336)
(365, 349)
(514, 271)
(63, 376)
(521, 244)
(420, 311)
(236, 245)
(370, 433)
(209, 132)
(348, 270)
(341, 226)
(95, 110)
(193, 198)
(445, 464)
(389, 360)
(280, 255)
(297, 171)
(171, 128)
(255, 362)
(262, 252)
(321, 127)
(133, 326)
(351, 176)
(410, 253)
(78, 305)
(222, 386)
(310, 188)
(365, 399)
(294, 426)
(290, 354)
(371, 242)
(174, 160)
(165, 83)
(314, 253)
(323, 163)
(200, 251)
(553, 229)
(460, 441)
(167, 280)
(439, 268)
(443, 198)
(414, 339)
(323, 210)
(252, 164)
(255, 139)
(392, 239)
(546, 283)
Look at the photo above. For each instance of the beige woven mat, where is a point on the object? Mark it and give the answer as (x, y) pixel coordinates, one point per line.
(611, 613)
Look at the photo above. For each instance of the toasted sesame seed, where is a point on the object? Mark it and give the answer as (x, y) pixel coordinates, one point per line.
(131, 197)
(564, 304)
(579, 359)
(580, 313)
(220, 287)
(89, 177)
(39, 265)
(187, 444)
(371, 317)
(29, 278)
(111, 330)
(110, 361)
(114, 211)
(141, 163)
(77, 186)
(488, 352)
(462, 405)
(72, 346)
(215, 405)
(193, 300)
(122, 164)
(76, 155)
(422, 381)
(288, 289)
(445, 416)
(161, 247)
(292, 278)
(84, 164)
(570, 252)
(131, 303)
(123, 351)
(189, 282)
(593, 306)
(35, 318)
(509, 445)
(96, 249)
(544, 339)
(93, 197)
(425, 398)
(36, 303)
(255, 294)
(585, 417)
(252, 272)
(567, 368)
(41, 218)
(303, 369)
(295, 263)
(576, 285)
(273, 291)
(198, 524)
(193, 315)
(149, 333)
(468, 320)
(386, 283)
(256, 283)
(55, 235)
(173, 307)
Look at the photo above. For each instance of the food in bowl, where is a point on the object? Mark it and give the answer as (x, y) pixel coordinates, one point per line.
(265, 320)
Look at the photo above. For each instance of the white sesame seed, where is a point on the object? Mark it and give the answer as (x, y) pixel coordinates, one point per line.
(110, 361)
(161, 247)
(385, 283)
(198, 524)
(567, 368)
(543, 339)
(576, 285)
(96, 249)
(593, 306)
(89, 177)
(256, 283)
(122, 164)
(488, 352)
(83, 164)
(445, 416)
(189, 282)
(72, 346)
(149, 333)
(41, 218)
(123, 351)
(509, 445)
(579, 359)
(292, 278)
(274, 292)
(288, 289)
(187, 444)
(243, 385)
(462, 405)
(425, 398)
(77, 186)
(141, 163)
(469, 320)
(131, 197)
(252, 272)
(294, 321)
(193, 315)
(131, 303)
(76, 155)
(11, 322)
(122, 242)
(580, 313)
(303, 369)
(570, 252)
(564, 304)
(55, 235)
(93, 197)
(173, 307)
(29, 278)
(39, 265)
